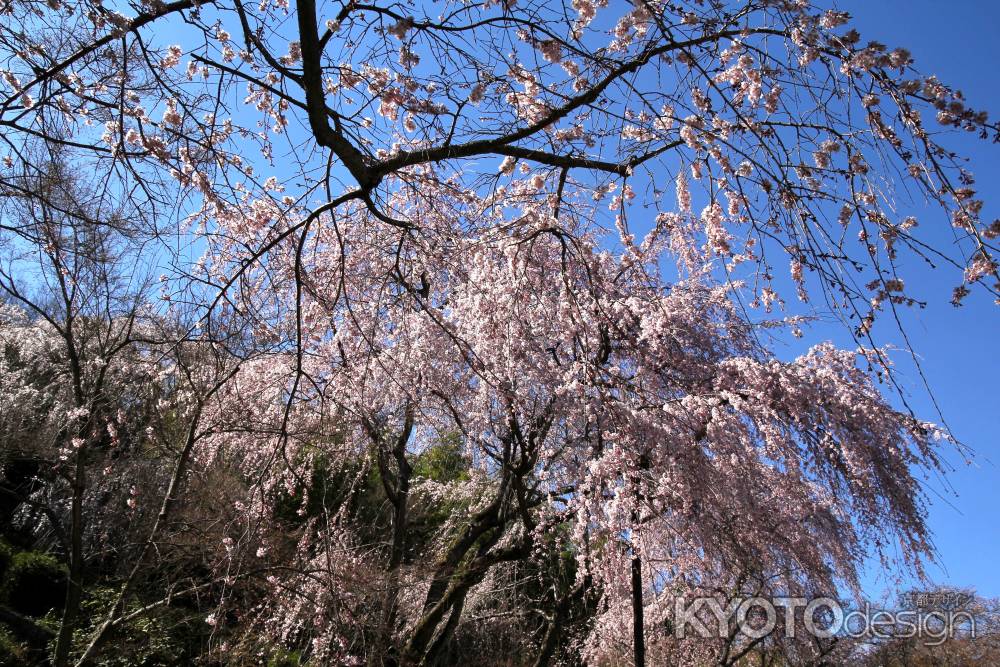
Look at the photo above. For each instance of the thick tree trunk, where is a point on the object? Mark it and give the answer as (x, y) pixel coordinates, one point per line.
(554, 629)
(397, 552)
(485, 520)
(436, 654)
(426, 629)
(396, 485)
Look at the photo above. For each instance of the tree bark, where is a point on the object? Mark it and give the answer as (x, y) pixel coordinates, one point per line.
(74, 588)
(554, 629)
(399, 500)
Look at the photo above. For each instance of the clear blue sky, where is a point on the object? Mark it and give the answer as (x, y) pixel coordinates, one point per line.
(960, 348)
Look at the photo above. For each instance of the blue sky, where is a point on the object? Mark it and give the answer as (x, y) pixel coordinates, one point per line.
(957, 41)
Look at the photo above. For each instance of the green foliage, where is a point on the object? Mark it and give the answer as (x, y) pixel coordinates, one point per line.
(12, 653)
(35, 583)
(282, 658)
(165, 636)
(324, 491)
(6, 558)
(443, 462)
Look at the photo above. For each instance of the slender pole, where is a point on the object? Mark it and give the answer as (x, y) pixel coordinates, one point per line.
(638, 637)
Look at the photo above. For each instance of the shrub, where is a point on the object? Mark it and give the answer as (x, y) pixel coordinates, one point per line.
(6, 556)
(12, 653)
(35, 583)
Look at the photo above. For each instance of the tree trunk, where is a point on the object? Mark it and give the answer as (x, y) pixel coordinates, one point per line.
(74, 588)
(416, 649)
(435, 655)
(553, 632)
(398, 551)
